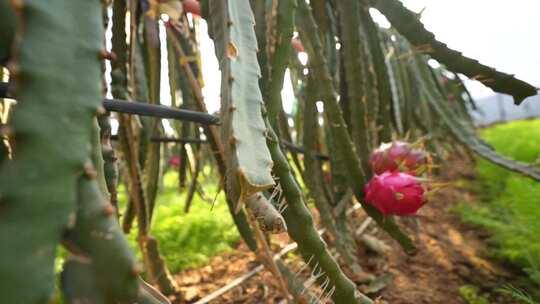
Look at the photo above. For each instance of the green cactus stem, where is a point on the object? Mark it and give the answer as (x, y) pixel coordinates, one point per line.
(7, 30)
(110, 167)
(324, 13)
(38, 191)
(151, 151)
(265, 253)
(248, 160)
(157, 270)
(343, 144)
(295, 285)
(194, 177)
(314, 180)
(259, 12)
(279, 51)
(352, 52)
(78, 286)
(395, 80)
(372, 33)
(313, 172)
(409, 25)
(183, 98)
(155, 266)
(78, 283)
(300, 228)
(126, 132)
(97, 237)
(399, 61)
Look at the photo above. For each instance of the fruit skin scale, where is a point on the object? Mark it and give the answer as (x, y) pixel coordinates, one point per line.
(398, 156)
(395, 193)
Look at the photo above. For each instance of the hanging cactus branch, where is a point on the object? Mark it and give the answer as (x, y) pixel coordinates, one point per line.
(409, 25)
(462, 131)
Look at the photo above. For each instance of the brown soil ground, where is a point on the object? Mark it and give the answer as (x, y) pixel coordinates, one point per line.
(450, 255)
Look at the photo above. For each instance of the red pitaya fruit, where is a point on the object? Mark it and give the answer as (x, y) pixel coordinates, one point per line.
(174, 161)
(327, 176)
(192, 6)
(395, 193)
(398, 156)
(297, 45)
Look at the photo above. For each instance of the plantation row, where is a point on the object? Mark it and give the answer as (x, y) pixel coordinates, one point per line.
(387, 118)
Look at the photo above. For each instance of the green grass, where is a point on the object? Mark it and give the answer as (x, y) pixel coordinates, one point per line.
(189, 240)
(510, 207)
(470, 295)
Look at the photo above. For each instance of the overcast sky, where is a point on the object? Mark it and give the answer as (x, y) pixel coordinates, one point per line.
(500, 33)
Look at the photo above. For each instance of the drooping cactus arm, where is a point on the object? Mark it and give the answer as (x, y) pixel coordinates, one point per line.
(248, 160)
(344, 146)
(461, 130)
(409, 25)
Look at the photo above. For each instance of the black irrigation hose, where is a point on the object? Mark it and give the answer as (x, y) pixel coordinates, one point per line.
(145, 109)
(295, 149)
(287, 145)
(4, 89)
(172, 140)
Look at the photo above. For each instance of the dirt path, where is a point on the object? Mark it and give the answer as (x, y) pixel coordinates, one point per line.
(449, 253)
(449, 256)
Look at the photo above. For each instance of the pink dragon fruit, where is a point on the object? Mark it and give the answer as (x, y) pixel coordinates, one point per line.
(398, 156)
(174, 161)
(395, 193)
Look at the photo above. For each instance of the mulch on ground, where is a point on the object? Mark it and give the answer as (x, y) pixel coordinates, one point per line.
(450, 255)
